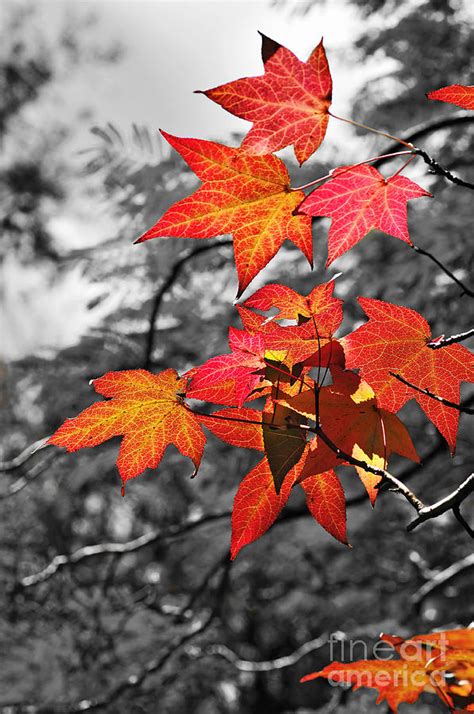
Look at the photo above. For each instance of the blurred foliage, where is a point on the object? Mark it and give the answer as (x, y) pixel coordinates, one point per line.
(83, 631)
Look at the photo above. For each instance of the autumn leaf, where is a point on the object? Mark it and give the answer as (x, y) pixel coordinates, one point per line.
(397, 681)
(248, 196)
(298, 342)
(425, 647)
(396, 339)
(236, 427)
(288, 105)
(147, 410)
(350, 417)
(458, 94)
(326, 502)
(319, 304)
(257, 504)
(283, 439)
(440, 663)
(359, 199)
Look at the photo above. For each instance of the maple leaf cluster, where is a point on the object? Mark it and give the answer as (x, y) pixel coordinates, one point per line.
(441, 663)
(311, 414)
(307, 400)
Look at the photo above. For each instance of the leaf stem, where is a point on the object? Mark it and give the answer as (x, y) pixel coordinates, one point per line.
(371, 129)
(403, 167)
(379, 157)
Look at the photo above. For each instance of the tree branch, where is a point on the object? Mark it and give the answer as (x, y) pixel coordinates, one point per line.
(393, 482)
(23, 457)
(245, 665)
(88, 551)
(167, 285)
(133, 681)
(446, 402)
(448, 503)
(63, 560)
(31, 475)
(435, 168)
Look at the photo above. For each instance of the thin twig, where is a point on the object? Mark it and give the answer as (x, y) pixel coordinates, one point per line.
(436, 168)
(446, 402)
(449, 273)
(344, 169)
(371, 129)
(166, 286)
(446, 341)
(134, 681)
(441, 578)
(245, 665)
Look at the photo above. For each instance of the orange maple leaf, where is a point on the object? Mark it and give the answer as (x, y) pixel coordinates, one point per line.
(441, 663)
(147, 410)
(351, 418)
(248, 196)
(396, 680)
(359, 199)
(288, 105)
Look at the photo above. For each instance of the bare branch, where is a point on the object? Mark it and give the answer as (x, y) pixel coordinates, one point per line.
(88, 551)
(441, 578)
(435, 168)
(244, 665)
(133, 681)
(425, 129)
(449, 273)
(446, 402)
(448, 503)
(24, 455)
(167, 285)
(35, 471)
(156, 535)
(445, 341)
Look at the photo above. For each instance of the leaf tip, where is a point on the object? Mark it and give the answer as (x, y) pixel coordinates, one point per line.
(269, 47)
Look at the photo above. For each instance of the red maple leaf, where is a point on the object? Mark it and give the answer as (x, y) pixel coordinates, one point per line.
(248, 196)
(458, 94)
(257, 505)
(230, 378)
(396, 339)
(299, 343)
(147, 410)
(359, 199)
(320, 304)
(288, 105)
